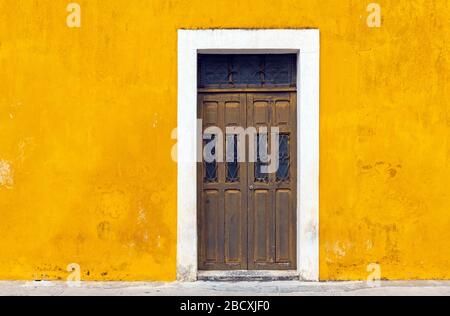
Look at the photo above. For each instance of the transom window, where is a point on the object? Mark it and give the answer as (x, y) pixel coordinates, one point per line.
(225, 71)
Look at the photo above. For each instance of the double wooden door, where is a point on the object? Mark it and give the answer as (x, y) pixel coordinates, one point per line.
(246, 216)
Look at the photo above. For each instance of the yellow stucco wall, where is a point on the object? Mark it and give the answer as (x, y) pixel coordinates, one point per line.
(86, 116)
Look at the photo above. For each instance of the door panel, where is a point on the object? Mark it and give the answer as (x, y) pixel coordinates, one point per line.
(222, 195)
(272, 199)
(211, 233)
(283, 202)
(233, 237)
(263, 232)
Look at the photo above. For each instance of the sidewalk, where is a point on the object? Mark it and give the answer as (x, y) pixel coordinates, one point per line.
(289, 288)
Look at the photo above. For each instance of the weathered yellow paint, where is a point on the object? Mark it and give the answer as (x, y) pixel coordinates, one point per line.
(86, 117)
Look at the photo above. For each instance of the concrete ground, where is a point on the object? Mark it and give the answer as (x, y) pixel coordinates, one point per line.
(289, 288)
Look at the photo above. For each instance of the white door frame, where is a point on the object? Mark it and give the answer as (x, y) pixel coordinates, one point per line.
(306, 43)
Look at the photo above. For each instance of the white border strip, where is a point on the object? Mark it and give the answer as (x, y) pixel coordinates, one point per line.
(307, 44)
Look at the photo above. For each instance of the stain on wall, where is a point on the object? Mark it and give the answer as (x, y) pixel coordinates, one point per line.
(6, 175)
(86, 117)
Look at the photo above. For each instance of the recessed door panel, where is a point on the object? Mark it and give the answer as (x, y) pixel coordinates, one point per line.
(233, 224)
(211, 233)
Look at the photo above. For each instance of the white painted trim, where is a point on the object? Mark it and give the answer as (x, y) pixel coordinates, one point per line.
(307, 44)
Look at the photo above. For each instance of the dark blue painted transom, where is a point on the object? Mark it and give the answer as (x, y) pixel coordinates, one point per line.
(247, 70)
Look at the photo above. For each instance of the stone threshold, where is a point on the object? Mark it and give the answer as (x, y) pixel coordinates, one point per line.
(247, 275)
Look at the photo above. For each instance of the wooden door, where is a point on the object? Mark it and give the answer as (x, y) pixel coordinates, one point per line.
(222, 220)
(272, 197)
(247, 219)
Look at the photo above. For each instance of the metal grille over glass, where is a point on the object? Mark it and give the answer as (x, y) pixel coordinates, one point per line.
(261, 158)
(210, 159)
(227, 71)
(284, 158)
(232, 159)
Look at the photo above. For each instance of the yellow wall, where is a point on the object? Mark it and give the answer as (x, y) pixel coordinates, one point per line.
(86, 116)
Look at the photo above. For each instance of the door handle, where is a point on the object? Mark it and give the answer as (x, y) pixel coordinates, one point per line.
(252, 187)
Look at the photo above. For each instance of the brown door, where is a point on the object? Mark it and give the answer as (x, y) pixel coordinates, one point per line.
(247, 218)
(222, 219)
(272, 196)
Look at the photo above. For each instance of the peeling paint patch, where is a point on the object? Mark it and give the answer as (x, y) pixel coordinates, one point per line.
(155, 120)
(6, 175)
(338, 250)
(142, 217)
(24, 146)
